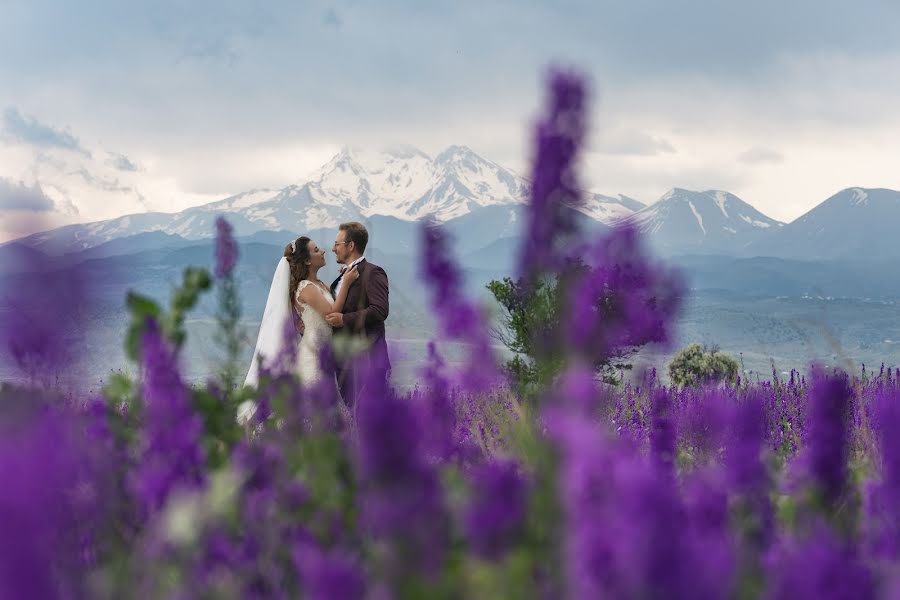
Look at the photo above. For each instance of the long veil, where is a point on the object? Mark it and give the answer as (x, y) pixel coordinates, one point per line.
(272, 328)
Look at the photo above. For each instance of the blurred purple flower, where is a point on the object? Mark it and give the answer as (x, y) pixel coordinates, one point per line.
(818, 566)
(554, 188)
(496, 513)
(40, 546)
(577, 389)
(328, 575)
(709, 538)
(437, 410)
(400, 494)
(627, 532)
(663, 438)
(826, 445)
(45, 315)
(585, 489)
(622, 301)
(172, 454)
(226, 248)
(745, 471)
(881, 520)
(458, 318)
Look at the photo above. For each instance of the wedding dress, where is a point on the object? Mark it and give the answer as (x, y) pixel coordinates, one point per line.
(277, 320)
(316, 334)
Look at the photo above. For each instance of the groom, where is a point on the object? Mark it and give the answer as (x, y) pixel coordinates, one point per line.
(364, 312)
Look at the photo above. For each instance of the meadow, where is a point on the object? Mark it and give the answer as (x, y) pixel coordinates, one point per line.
(471, 485)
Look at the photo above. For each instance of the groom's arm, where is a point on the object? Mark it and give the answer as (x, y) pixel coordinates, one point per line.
(376, 285)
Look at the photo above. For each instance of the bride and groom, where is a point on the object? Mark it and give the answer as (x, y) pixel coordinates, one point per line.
(350, 311)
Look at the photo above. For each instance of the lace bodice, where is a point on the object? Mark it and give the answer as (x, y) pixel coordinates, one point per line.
(316, 332)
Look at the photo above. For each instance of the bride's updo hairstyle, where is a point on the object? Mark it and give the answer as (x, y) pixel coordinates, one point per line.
(297, 255)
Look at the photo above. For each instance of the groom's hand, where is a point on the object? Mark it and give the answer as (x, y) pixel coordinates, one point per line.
(335, 319)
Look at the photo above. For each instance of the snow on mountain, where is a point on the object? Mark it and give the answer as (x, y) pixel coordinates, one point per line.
(684, 221)
(242, 200)
(855, 223)
(356, 184)
(609, 209)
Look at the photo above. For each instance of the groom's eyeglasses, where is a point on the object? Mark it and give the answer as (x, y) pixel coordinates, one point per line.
(336, 244)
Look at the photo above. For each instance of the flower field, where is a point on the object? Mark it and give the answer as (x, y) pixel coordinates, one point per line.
(470, 486)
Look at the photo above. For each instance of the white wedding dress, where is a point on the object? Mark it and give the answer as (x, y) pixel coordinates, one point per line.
(316, 334)
(277, 321)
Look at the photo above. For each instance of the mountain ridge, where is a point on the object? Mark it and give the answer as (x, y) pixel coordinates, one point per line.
(355, 185)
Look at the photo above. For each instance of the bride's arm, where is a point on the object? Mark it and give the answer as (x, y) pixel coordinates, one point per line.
(314, 298)
(349, 277)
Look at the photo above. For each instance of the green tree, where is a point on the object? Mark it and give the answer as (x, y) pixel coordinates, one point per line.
(530, 328)
(697, 365)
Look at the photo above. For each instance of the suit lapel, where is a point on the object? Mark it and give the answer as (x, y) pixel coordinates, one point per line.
(353, 297)
(360, 266)
(334, 285)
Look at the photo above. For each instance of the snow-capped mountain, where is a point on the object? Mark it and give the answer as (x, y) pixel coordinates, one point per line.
(609, 209)
(684, 221)
(356, 184)
(855, 223)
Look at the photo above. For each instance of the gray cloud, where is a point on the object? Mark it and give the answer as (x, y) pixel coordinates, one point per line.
(207, 83)
(102, 183)
(29, 130)
(122, 163)
(111, 184)
(760, 154)
(18, 196)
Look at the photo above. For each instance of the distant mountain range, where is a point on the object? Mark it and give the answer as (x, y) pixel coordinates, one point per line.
(856, 224)
(482, 203)
(355, 185)
(717, 222)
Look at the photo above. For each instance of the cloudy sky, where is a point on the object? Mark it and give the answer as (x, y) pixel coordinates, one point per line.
(109, 108)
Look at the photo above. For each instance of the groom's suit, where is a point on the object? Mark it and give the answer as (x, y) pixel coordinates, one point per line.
(365, 310)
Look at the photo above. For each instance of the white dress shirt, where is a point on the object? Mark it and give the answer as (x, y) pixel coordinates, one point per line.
(337, 288)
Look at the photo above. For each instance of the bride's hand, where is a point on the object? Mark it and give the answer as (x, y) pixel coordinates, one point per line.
(352, 274)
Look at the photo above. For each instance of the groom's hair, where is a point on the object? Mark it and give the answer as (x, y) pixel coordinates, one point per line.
(356, 233)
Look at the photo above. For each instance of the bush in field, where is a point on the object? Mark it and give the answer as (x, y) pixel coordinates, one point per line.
(781, 489)
(699, 365)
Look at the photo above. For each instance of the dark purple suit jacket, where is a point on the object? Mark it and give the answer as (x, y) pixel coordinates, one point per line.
(364, 311)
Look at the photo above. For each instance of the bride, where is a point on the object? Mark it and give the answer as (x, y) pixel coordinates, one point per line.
(297, 290)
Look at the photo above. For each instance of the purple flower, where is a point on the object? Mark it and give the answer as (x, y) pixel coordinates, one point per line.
(827, 447)
(328, 575)
(172, 455)
(585, 478)
(622, 301)
(226, 248)
(577, 389)
(627, 532)
(44, 319)
(818, 566)
(663, 439)
(400, 494)
(554, 188)
(496, 513)
(881, 520)
(437, 410)
(709, 541)
(42, 463)
(746, 474)
(458, 318)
